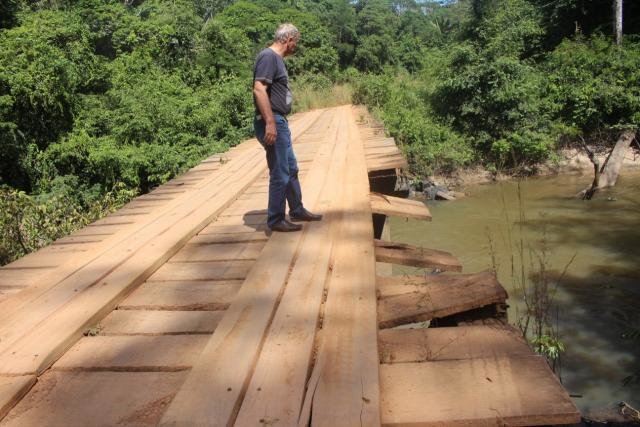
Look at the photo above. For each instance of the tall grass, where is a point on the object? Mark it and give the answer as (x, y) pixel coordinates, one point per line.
(530, 273)
(308, 96)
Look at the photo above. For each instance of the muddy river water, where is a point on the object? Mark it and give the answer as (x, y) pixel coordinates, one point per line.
(596, 302)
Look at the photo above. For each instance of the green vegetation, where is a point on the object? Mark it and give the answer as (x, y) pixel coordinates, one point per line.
(103, 99)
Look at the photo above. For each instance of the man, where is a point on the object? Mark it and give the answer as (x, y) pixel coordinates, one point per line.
(272, 97)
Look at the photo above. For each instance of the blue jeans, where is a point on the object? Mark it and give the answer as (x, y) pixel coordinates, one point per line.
(283, 171)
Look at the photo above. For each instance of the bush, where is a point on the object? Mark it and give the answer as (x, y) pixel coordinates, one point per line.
(28, 223)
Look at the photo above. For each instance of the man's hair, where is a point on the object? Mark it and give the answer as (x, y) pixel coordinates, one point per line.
(286, 30)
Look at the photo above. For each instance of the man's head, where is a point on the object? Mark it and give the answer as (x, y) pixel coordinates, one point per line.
(287, 36)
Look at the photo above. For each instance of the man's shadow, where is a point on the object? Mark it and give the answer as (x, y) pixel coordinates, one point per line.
(257, 220)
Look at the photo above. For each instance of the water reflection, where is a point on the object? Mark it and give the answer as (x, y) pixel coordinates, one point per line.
(598, 298)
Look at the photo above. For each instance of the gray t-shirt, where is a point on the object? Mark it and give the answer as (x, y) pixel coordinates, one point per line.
(270, 69)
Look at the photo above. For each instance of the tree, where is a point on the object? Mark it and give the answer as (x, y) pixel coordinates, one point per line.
(618, 21)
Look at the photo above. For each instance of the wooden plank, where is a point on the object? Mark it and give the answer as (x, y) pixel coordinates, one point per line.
(407, 304)
(219, 252)
(404, 254)
(12, 277)
(395, 206)
(182, 295)
(215, 228)
(156, 322)
(12, 389)
(347, 388)
(167, 353)
(115, 398)
(226, 363)
(206, 270)
(493, 391)
(462, 342)
(397, 162)
(205, 239)
(276, 390)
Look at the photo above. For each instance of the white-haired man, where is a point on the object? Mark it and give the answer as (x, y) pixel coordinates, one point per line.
(272, 97)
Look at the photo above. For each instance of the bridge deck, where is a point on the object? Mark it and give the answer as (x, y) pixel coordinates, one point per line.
(181, 309)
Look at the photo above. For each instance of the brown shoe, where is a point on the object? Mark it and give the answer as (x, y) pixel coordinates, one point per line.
(286, 226)
(305, 216)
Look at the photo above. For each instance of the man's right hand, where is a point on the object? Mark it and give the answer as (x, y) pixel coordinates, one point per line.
(270, 133)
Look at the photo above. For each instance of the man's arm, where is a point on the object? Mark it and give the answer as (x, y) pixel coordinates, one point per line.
(262, 100)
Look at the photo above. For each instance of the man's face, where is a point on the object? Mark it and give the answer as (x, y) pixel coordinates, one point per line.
(292, 43)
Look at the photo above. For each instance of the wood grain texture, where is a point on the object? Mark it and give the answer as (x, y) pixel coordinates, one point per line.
(11, 391)
(347, 388)
(159, 322)
(402, 304)
(453, 343)
(227, 362)
(395, 206)
(405, 254)
(277, 386)
(516, 391)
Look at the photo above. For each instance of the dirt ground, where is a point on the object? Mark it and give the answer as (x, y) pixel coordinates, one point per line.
(570, 161)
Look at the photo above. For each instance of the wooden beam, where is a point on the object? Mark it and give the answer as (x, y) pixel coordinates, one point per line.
(489, 391)
(453, 343)
(395, 206)
(347, 389)
(404, 304)
(404, 254)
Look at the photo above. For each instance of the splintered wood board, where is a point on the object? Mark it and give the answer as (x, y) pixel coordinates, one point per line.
(490, 391)
(276, 390)
(453, 343)
(404, 304)
(404, 254)
(344, 387)
(395, 206)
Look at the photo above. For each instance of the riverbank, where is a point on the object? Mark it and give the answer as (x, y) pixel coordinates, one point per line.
(568, 161)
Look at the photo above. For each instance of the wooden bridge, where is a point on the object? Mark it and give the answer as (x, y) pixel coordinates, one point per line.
(181, 309)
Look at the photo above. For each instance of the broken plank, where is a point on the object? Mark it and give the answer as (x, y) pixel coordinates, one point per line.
(491, 391)
(276, 390)
(395, 206)
(157, 322)
(182, 295)
(347, 388)
(404, 254)
(168, 353)
(435, 300)
(453, 343)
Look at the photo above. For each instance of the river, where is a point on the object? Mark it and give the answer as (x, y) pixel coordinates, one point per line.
(596, 302)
